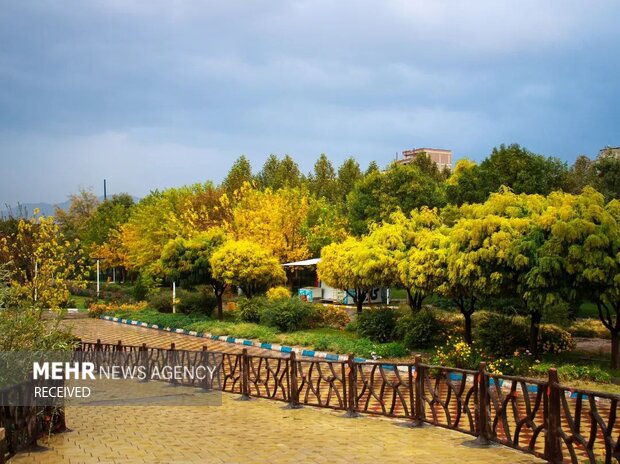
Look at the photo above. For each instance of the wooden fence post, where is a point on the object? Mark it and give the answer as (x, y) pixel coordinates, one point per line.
(482, 410)
(245, 375)
(416, 381)
(293, 384)
(144, 361)
(173, 354)
(352, 388)
(204, 361)
(553, 412)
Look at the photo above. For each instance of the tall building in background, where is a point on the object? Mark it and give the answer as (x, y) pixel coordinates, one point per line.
(443, 158)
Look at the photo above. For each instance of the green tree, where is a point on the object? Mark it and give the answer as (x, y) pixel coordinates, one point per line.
(240, 172)
(581, 174)
(189, 260)
(246, 265)
(349, 173)
(73, 222)
(379, 194)
(511, 166)
(608, 168)
(322, 182)
(277, 174)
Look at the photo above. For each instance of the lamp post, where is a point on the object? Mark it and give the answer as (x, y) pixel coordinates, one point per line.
(97, 258)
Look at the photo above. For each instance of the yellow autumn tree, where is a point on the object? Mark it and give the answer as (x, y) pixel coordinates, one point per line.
(41, 264)
(359, 265)
(275, 220)
(246, 265)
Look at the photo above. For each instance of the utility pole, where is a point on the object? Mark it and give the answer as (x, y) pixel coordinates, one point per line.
(105, 190)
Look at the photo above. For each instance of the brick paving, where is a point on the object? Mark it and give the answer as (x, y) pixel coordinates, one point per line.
(90, 330)
(257, 431)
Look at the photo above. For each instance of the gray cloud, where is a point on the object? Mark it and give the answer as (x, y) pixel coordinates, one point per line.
(160, 93)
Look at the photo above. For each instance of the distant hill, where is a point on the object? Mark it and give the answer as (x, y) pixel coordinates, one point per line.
(46, 209)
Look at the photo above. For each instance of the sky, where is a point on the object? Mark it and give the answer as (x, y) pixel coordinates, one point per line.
(160, 93)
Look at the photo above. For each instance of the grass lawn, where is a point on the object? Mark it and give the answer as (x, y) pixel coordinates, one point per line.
(577, 369)
(321, 339)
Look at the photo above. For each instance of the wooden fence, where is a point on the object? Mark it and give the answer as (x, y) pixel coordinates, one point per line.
(541, 417)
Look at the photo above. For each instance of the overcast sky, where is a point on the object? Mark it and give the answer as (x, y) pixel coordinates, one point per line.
(162, 93)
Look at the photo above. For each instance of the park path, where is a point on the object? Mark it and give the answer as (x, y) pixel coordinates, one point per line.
(89, 330)
(256, 431)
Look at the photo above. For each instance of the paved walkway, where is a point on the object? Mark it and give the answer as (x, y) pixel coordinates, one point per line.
(89, 330)
(245, 432)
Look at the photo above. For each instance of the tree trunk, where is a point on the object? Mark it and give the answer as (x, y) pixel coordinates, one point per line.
(615, 347)
(359, 302)
(220, 306)
(534, 330)
(415, 300)
(468, 337)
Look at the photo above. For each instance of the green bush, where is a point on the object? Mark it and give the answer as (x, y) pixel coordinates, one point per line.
(589, 328)
(378, 324)
(420, 330)
(161, 302)
(554, 339)
(570, 372)
(250, 309)
(288, 314)
(500, 335)
(142, 287)
(198, 302)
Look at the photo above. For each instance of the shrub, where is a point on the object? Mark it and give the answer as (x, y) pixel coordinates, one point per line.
(142, 287)
(500, 335)
(590, 328)
(569, 372)
(554, 339)
(420, 330)
(378, 324)
(250, 309)
(198, 302)
(335, 317)
(457, 353)
(276, 293)
(161, 301)
(288, 314)
(98, 309)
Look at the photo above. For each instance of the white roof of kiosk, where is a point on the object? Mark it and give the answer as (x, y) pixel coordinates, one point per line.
(307, 262)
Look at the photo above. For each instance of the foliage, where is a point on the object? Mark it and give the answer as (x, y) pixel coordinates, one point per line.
(358, 264)
(322, 182)
(500, 334)
(239, 174)
(273, 219)
(250, 309)
(277, 174)
(324, 339)
(276, 293)
(26, 330)
(335, 317)
(247, 265)
(288, 314)
(456, 352)
(99, 309)
(589, 328)
(570, 372)
(419, 330)
(189, 261)
(142, 287)
(378, 324)
(41, 264)
(161, 301)
(511, 166)
(379, 194)
(554, 339)
(74, 222)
